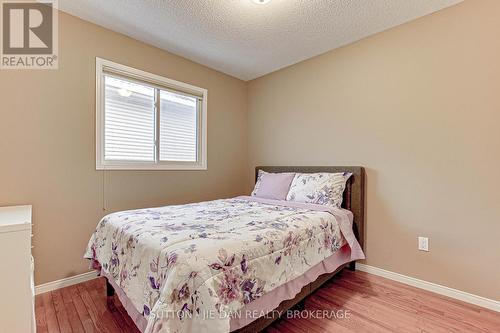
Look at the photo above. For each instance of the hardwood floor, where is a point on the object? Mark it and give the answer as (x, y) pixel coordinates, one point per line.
(369, 304)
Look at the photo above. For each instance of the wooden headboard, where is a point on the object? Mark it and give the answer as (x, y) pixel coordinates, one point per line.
(354, 194)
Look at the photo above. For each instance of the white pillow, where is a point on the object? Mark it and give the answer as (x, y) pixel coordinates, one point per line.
(321, 188)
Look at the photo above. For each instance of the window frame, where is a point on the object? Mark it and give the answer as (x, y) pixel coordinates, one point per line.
(106, 67)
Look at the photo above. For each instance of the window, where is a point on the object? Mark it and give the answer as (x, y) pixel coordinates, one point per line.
(148, 122)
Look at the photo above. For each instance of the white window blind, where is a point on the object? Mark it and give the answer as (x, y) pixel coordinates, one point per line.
(145, 121)
(129, 126)
(178, 127)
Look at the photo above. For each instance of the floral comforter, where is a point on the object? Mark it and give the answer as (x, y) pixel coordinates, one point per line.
(188, 268)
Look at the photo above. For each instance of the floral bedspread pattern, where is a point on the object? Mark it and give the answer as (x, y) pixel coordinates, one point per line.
(322, 188)
(189, 267)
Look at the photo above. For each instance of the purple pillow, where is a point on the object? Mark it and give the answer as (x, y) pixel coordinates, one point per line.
(273, 185)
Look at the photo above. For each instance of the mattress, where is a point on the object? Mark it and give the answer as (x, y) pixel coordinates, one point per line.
(196, 267)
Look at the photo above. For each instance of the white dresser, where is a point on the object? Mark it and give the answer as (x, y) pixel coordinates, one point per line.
(16, 277)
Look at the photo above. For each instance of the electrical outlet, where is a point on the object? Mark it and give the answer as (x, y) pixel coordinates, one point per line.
(423, 244)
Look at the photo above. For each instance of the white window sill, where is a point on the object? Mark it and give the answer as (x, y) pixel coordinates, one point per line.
(133, 166)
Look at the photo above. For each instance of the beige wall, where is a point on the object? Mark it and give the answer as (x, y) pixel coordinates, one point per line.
(47, 144)
(419, 106)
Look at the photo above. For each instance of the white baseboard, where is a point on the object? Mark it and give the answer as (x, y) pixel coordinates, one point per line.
(436, 288)
(49, 286)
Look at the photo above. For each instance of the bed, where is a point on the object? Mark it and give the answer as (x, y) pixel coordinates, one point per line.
(229, 265)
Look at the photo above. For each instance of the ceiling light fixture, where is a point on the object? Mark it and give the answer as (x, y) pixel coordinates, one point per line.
(261, 2)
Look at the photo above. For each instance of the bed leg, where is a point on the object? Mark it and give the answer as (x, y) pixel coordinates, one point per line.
(110, 301)
(110, 291)
(352, 266)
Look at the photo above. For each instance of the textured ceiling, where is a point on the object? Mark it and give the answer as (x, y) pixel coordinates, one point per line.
(244, 39)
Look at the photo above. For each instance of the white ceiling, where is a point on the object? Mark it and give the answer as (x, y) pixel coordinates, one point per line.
(244, 39)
